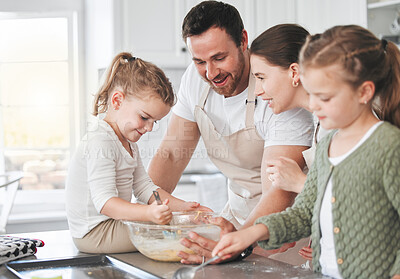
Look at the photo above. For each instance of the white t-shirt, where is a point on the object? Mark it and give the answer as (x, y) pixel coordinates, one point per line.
(327, 259)
(293, 127)
(100, 169)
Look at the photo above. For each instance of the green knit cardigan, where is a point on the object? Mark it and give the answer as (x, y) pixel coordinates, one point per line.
(365, 207)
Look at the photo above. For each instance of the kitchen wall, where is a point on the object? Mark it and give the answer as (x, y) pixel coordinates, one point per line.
(151, 30)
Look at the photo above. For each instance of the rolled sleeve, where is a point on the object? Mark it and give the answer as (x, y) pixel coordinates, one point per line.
(184, 107)
(293, 127)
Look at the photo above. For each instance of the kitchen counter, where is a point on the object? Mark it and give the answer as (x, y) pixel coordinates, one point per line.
(59, 244)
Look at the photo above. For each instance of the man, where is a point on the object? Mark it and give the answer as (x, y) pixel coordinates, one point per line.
(216, 101)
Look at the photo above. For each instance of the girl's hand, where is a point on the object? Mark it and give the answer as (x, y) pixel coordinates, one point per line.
(232, 244)
(397, 276)
(159, 214)
(236, 242)
(286, 174)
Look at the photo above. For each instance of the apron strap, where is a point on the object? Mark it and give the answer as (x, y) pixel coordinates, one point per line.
(204, 96)
(251, 102)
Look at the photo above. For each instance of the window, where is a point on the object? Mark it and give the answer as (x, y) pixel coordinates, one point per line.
(38, 97)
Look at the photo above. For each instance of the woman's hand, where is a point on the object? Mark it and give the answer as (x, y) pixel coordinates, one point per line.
(286, 174)
(306, 252)
(159, 214)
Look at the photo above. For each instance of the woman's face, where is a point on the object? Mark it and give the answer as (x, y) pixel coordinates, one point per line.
(273, 84)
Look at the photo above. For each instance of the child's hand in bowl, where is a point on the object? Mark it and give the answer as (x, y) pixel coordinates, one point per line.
(159, 214)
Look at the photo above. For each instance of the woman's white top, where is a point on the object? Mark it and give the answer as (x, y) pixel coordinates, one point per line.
(100, 169)
(328, 259)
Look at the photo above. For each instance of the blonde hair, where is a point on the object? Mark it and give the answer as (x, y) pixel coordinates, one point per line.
(133, 76)
(362, 57)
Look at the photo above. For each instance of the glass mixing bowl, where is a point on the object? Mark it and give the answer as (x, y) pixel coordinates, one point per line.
(161, 242)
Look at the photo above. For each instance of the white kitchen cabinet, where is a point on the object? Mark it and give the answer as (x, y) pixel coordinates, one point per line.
(318, 15)
(381, 14)
(151, 30)
(271, 12)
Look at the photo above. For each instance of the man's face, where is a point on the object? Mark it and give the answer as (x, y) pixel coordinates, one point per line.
(219, 61)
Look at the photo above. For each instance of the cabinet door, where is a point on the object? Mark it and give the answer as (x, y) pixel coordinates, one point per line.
(381, 15)
(271, 12)
(151, 30)
(318, 15)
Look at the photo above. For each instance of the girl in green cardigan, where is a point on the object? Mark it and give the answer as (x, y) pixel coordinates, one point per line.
(351, 200)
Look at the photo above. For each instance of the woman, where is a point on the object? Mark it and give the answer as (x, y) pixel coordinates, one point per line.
(274, 57)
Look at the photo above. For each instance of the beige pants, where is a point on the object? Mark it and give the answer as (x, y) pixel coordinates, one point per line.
(110, 236)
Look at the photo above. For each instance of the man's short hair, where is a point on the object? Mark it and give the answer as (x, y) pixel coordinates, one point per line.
(209, 14)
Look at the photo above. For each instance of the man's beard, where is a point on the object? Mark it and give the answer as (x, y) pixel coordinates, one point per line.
(236, 75)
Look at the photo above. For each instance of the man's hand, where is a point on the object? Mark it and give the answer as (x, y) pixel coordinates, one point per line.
(192, 206)
(202, 246)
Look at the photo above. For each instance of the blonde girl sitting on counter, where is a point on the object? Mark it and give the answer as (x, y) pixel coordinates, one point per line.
(107, 169)
(351, 200)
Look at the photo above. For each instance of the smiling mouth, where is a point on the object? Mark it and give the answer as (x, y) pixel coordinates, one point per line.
(220, 81)
(139, 133)
(269, 100)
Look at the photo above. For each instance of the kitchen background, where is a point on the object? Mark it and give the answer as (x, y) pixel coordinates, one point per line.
(52, 55)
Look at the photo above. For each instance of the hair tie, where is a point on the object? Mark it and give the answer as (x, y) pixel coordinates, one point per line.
(384, 44)
(133, 58)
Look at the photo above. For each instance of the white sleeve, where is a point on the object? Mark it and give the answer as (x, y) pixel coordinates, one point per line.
(143, 186)
(189, 93)
(293, 127)
(100, 155)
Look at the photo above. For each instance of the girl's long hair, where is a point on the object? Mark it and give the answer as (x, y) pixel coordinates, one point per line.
(362, 57)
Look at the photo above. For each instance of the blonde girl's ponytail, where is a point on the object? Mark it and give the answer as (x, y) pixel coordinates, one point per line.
(133, 76)
(101, 98)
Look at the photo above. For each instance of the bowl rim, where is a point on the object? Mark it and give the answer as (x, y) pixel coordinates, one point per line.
(148, 224)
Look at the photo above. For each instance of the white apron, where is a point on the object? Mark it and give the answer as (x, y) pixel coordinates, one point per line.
(237, 156)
